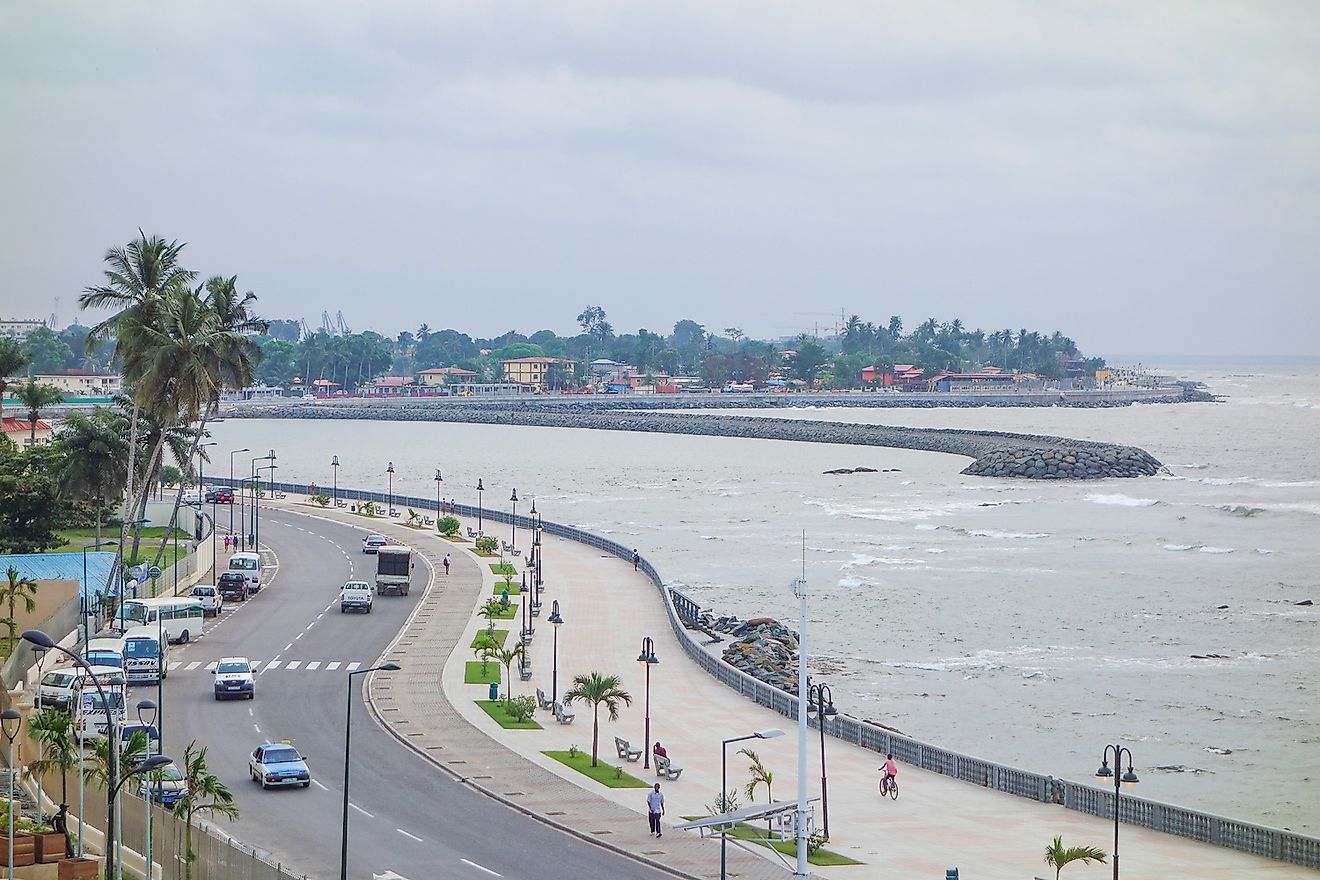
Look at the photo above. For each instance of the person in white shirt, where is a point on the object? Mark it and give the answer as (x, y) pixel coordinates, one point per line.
(655, 808)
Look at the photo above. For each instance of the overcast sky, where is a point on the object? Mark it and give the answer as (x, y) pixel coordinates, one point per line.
(1142, 176)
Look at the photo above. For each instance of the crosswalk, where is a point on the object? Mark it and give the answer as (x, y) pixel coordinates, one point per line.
(272, 665)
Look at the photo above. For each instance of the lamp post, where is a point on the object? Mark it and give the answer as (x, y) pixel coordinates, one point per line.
(480, 489)
(348, 741)
(82, 597)
(513, 538)
(820, 702)
(769, 733)
(256, 545)
(256, 489)
(799, 587)
(439, 481)
(1120, 778)
(152, 762)
(11, 721)
(232, 453)
(648, 659)
(556, 620)
(39, 653)
(390, 470)
(147, 712)
(334, 467)
(522, 596)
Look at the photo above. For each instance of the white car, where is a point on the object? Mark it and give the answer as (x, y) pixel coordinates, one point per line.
(212, 602)
(233, 678)
(191, 496)
(278, 764)
(373, 543)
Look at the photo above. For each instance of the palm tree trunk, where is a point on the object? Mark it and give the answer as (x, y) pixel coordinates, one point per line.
(595, 732)
(178, 496)
(32, 422)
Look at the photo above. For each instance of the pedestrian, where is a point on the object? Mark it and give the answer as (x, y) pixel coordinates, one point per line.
(637, 559)
(226, 543)
(655, 808)
(252, 540)
(446, 562)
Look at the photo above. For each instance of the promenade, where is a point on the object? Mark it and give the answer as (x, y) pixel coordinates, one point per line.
(607, 609)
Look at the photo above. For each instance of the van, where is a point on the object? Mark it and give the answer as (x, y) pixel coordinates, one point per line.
(102, 651)
(146, 655)
(90, 716)
(56, 689)
(250, 565)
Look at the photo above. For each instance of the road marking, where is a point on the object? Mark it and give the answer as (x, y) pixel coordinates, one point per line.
(312, 624)
(250, 713)
(292, 664)
(319, 785)
(350, 667)
(331, 667)
(318, 617)
(210, 666)
(480, 868)
(315, 664)
(411, 836)
(175, 665)
(288, 646)
(362, 811)
(191, 666)
(297, 637)
(254, 727)
(274, 664)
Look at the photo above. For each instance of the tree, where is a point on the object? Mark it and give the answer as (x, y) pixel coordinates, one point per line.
(46, 352)
(759, 776)
(491, 611)
(484, 648)
(95, 459)
(593, 323)
(206, 795)
(12, 362)
(596, 689)
(506, 656)
(59, 753)
(810, 357)
(1057, 855)
(14, 589)
(34, 397)
(32, 508)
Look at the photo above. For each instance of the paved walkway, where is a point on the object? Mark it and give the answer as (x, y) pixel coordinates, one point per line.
(607, 609)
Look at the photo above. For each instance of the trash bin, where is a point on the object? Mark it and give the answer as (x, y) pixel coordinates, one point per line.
(951, 874)
(494, 690)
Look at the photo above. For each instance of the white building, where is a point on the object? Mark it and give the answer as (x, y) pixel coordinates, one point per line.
(18, 328)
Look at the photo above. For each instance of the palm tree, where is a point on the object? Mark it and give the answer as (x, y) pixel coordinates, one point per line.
(13, 589)
(759, 776)
(595, 689)
(34, 396)
(95, 459)
(12, 361)
(484, 648)
(54, 730)
(96, 769)
(492, 610)
(206, 794)
(506, 656)
(1057, 856)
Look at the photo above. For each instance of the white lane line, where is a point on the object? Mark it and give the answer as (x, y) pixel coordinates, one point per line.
(297, 637)
(312, 624)
(288, 646)
(354, 665)
(480, 868)
(319, 785)
(250, 713)
(410, 836)
(211, 665)
(319, 616)
(255, 727)
(362, 811)
(292, 665)
(274, 664)
(313, 666)
(191, 666)
(332, 666)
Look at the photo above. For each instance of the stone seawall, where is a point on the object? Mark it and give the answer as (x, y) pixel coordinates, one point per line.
(996, 453)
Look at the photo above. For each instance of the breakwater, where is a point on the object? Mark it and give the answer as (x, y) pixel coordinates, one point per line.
(995, 453)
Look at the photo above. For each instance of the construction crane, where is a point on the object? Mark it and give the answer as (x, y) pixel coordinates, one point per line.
(306, 331)
(326, 327)
(343, 326)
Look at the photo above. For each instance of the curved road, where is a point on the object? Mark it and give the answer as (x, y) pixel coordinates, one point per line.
(407, 817)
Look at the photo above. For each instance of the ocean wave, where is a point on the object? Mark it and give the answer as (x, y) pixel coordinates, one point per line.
(1200, 548)
(861, 560)
(1121, 500)
(1179, 547)
(1013, 536)
(1214, 549)
(1195, 466)
(1292, 484)
(926, 527)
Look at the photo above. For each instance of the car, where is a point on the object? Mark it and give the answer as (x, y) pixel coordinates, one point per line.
(355, 596)
(56, 689)
(278, 764)
(233, 585)
(166, 785)
(233, 678)
(191, 496)
(222, 495)
(372, 543)
(209, 596)
(126, 732)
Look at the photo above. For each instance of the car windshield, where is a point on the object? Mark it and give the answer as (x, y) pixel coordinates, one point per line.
(281, 756)
(232, 666)
(57, 679)
(141, 648)
(376, 539)
(99, 658)
(168, 773)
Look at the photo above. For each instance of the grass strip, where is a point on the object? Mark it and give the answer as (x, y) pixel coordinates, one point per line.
(752, 834)
(499, 636)
(502, 568)
(472, 673)
(495, 709)
(606, 774)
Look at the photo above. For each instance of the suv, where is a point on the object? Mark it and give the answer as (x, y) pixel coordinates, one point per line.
(355, 596)
(222, 495)
(209, 596)
(233, 678)
(233, 585)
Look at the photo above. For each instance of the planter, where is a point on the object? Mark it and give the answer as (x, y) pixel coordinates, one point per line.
(25, 850)
(79, 869)
(50, 847)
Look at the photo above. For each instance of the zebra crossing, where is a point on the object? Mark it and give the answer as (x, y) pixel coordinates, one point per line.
(273, 665)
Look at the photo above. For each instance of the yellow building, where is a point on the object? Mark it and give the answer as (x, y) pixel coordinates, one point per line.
(82, 383)
(532, 370)
(445, 376)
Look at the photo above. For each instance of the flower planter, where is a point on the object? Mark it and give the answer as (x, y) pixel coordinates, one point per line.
(25, 850)
(79, 869)
(50, 847)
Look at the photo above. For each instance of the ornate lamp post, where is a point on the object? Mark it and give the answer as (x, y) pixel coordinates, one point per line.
(513, 538)
(232, 453)
(1125, 778)
(556, 619)
(11, 721)
(334, 467)
(390, 470)
(439, 481)
(147, 712)
(820, 702)
(348, 732)
(480, 489)
(648, 659)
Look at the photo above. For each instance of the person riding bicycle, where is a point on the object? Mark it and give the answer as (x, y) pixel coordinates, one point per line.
(891, 771)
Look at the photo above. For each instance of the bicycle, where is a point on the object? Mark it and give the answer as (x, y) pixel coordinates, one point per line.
(888, 786)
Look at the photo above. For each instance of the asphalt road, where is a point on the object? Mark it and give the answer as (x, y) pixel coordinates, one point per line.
(406, 816)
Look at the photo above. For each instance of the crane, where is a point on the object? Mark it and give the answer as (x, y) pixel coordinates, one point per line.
(343, 326)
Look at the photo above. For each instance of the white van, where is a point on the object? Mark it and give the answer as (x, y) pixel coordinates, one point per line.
(90, 716)
(102, 651)
(146, 655)
(250, 565)
(181, 617)
(56, 689)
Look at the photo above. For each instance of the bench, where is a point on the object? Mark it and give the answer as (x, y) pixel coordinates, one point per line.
(525, 670)
(427, 521)
(471, 532)
(541, 701)
(626, 751)
(665, 768)
(563, 714)
(280, 495)
(526, 636)
(341, 504)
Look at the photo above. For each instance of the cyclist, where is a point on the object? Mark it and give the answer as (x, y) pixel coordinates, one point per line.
(891, 772)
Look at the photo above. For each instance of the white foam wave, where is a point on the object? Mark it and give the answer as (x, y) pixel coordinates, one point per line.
(926, 527)
(1121, 500)
(1013, 536)
(1179, 547)
(1214, 549)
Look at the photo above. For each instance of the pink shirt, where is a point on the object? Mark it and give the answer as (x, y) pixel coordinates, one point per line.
(891, 769)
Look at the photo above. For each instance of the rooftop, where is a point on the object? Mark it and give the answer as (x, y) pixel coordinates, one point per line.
(64, 567)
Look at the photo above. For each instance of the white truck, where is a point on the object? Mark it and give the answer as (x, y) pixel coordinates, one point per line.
(393, 570)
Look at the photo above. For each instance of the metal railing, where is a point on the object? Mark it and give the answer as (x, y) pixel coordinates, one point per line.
(1247, 837)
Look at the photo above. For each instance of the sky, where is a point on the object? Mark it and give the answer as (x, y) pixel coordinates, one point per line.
(1142, 176)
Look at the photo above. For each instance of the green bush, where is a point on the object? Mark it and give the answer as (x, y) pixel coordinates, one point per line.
(487, 544)
(322, 499)
(521, 709)
(448, 526)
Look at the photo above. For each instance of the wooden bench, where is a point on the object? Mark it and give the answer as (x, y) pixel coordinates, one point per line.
(542, 702)
(626, 751)
(563, 714)
(525, 669)
(665, 768)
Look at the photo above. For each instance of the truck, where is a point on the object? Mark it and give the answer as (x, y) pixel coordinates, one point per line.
(393, 570)
(355, 596)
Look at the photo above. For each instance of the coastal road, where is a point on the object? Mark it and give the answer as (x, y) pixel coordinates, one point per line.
(406, 816)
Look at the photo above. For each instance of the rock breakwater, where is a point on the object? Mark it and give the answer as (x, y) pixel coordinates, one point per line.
(763, 648)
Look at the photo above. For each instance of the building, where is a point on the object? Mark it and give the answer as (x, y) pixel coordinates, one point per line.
(20, 431)
(445, 375)
(533, 371)
(18, 328)
(905, 377)
(983, 381)
(83, 383)
(389, 386)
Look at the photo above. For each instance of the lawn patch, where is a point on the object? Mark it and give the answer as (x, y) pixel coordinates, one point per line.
(509, 612)
(756, 835)
(498, 636)
(606, 774)
(472, 673)
(495, 709)
(503, 568)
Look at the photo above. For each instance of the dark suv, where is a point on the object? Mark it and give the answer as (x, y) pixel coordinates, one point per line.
(233, 585)
(223, 495)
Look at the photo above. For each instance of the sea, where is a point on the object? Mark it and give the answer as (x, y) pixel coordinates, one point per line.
(1027, 622)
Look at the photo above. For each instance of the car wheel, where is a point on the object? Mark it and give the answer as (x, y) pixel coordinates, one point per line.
(217, 698)
(183, 637)
(368, 609)
(343, 610)
(307, 784)
(252, 696)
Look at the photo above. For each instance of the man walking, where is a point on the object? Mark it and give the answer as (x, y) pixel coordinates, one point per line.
(655, 808)
(446, 563)
(637, 559)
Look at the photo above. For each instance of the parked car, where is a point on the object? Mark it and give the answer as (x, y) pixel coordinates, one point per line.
(191, 496)
(149, 731)
(278, 764)
(355, 596)
(222, 495)
(233, 586)
(373, 543)
(233, 678)
(212, 602)
(165, 786)
(56, 689)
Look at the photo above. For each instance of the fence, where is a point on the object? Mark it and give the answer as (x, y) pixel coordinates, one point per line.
(1273, 843)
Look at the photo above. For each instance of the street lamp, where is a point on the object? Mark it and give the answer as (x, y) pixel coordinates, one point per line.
(1120, 778)
(390, 470)
(150, 763)
(232, 453)
(256, 545)
(513, 539)
(820, 702)
(256, 488)
(348, 731)
(82, 599)
(480, 489)
(334, 465)
(556, 619)
(439, 481)
(147, 712)
(770, 733)
(11, 721)
(648, 659)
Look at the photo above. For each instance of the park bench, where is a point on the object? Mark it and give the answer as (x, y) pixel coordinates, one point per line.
(427, 521)
(626, 751)
(664, 767)
(526, 636)
(341, 503)
(525, 669)
(541, 701)
(563, 714)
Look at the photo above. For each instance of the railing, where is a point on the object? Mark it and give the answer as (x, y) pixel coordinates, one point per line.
(1260, 840)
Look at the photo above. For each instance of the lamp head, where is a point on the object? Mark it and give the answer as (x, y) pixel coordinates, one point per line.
(390, 667)
(1104, 772)
(390, 469)
(38, 638)
(555, 617)
(480, 488)
(533, 507)
(10, 720)
(235, 451)
(1129, 778)
(770, 733)
(334, 461)
(271, 455)
(514, 496)
(147, 711)
(438, 477)
(155, 762)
